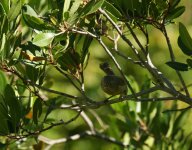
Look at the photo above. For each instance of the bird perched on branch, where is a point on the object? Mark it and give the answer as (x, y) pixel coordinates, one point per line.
(111, 83)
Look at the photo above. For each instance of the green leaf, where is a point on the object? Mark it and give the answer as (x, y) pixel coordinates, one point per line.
(14, 107)
(3, 126)
(74, 7)
(91, 7)
(189, 62)
(185, 37)
(37, 110)
(4, 116)
(85, 49)
(26, 9)
(174, 3)
(175, 13)
(178, 66)
(20, 87)
(4, 26)
(184, 49)
(17, 41)
(3, 106)
(69, 60)
(43, 39)
(2, 11)
(32, 73)
(180, 119)
(32, 20)
(30, 46)
(14, 11)
(5, 4)
(5, 47)
(3, 82)
(112, 10)
(36, 23)
(65, 9)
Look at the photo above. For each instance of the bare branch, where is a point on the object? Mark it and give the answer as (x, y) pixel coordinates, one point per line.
(173, 60)
(182, 109)
(81, 135)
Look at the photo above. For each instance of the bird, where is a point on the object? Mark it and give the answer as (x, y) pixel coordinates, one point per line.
(111, 83)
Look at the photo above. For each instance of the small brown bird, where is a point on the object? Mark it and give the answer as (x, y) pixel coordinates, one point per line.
(111, 83)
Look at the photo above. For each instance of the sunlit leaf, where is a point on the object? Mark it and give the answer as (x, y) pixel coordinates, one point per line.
(43, 39)
(65, 9)
(91, 7)
(14, 11)
(26, 9)
(32, 20)
(114, 12)
(2, 11)
(5, 4)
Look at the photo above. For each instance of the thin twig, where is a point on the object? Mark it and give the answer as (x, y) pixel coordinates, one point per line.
(181, 109)
(115, 41)
(67, 76)
(155, 73)
(121, 34)
(53, 91)
(98, 118)
(175, 96)
(81, 135)
(173, 60)
(88, 121)
(51, 126)
(136, 39)
(129, 58)
(72, 82)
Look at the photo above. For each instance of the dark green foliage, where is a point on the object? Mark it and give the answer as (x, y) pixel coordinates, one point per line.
(184, 40)
(178, 66)
(45, 50)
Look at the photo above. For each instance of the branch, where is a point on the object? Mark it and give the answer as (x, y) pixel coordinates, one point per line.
(121, 34)
(79, 89)
(29, 82)
(176, 96)
(136, 39)
(88, 121)
(173, 60)
(67, 76)
(181, 109)
(155, 73)
(53, 91)
(81, 135)
(44, 129)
